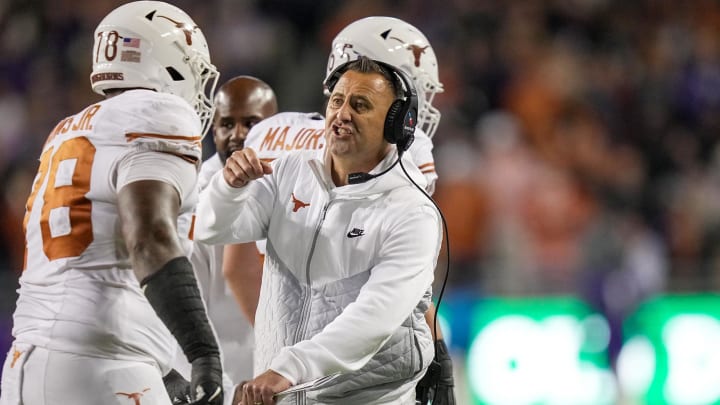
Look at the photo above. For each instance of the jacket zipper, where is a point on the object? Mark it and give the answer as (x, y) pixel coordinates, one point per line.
(304, 310)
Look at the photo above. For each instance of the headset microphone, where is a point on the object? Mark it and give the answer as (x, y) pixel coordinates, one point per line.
(361, 177)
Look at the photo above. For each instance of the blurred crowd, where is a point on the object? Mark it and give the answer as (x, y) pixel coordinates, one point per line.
(577, 153)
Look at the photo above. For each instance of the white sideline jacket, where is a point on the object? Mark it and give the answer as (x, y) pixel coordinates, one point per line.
(346, 277)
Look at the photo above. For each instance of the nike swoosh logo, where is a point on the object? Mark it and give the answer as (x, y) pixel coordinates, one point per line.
(355, 233)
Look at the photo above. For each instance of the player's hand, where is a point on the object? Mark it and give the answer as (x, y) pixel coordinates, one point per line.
(206, 381)
(178, 388)
(438, 384)
(238, 393)
(260, 391)
(243, 166)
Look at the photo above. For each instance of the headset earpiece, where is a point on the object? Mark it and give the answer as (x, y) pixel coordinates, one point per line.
(401, 121)
(391, 122)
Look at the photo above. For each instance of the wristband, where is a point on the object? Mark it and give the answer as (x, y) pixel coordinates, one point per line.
(173, 293)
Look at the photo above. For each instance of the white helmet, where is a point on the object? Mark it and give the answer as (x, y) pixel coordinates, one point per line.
(154, 45)
(397, 43)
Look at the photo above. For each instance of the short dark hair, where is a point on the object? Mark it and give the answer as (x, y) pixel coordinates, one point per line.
(363, 64)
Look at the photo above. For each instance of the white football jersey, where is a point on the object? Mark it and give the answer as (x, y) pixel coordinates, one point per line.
(77, 292)
(285, 132)
(289, 131)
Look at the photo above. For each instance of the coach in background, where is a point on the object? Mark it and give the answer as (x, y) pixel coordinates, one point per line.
(351, 248)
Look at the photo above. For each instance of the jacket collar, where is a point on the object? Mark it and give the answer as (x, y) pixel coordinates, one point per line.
(320, 165)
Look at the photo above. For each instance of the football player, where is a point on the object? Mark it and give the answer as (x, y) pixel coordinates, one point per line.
(108, 291)
(240, 103)
(397, 43)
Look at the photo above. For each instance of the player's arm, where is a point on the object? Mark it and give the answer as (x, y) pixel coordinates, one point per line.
(438, 380)
(430, 319)
(242, 270)
(438, 383)
(148, 212)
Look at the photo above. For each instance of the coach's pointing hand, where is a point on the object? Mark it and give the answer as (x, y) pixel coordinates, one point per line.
(243, 166)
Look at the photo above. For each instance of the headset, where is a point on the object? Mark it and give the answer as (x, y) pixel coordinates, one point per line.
(401, 118)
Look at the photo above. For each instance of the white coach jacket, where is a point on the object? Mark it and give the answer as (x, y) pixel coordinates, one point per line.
(347, 274)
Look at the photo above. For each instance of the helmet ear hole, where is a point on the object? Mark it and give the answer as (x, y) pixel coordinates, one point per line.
(174, 74)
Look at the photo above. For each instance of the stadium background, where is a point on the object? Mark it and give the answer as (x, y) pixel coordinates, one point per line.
(578, 161)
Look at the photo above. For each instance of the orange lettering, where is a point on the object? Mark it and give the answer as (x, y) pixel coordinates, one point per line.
(53, 133)
(269, 138)
(39, 179)
(280, 141)
(71, 196)
(299, 139)
(61, 127)
(66, 125)
(79, 124)
(314, 139)
(90, 114)
(84, 123)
